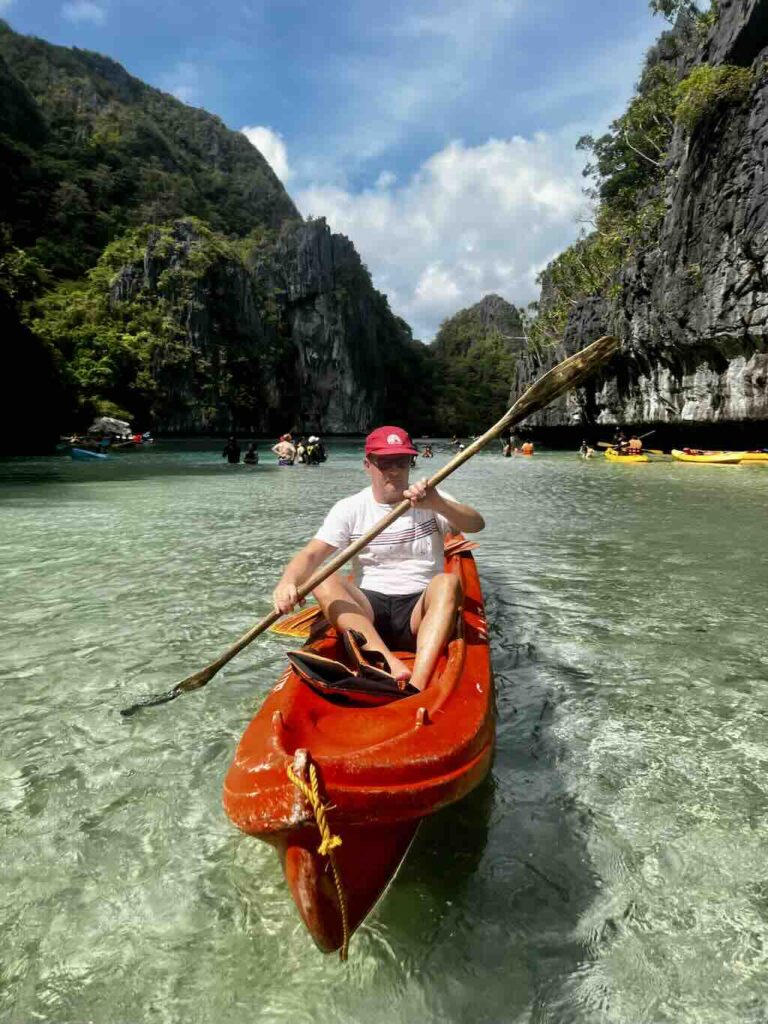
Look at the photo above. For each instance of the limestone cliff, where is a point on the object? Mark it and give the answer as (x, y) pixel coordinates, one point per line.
(287, 333)
(692, 312)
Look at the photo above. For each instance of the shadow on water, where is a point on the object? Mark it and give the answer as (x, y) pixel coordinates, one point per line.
(489, 900)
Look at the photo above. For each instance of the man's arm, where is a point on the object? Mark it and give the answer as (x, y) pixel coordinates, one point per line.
(285, 596)
(463, 518)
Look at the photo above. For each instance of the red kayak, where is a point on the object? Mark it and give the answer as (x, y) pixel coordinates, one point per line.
(377, 770)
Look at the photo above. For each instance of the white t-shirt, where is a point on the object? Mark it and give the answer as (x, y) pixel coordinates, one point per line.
(404, 557)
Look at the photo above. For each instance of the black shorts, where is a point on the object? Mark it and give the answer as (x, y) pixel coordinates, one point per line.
(392, 618)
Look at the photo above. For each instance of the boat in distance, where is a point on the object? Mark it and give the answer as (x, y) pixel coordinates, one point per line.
(711, 458)
(84, 454)
(377, 770)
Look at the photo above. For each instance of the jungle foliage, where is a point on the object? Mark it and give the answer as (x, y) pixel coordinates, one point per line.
(475, 354)
(627, 168)
(707, 89)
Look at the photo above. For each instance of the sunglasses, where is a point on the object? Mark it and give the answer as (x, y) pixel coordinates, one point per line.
(390, 461)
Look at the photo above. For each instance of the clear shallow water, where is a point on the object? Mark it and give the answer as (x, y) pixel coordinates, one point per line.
(613, 869)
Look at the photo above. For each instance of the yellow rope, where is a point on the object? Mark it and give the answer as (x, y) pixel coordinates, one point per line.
(328, 842)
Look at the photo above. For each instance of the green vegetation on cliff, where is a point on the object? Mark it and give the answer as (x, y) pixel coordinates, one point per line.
(708, 89)
(88, 151)
(628, 166)
(475, 354)
(120, 330)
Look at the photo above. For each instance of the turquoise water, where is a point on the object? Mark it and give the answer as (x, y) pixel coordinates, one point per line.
(615, 866)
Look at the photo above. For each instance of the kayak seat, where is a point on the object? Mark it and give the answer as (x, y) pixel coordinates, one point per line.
(367, 687)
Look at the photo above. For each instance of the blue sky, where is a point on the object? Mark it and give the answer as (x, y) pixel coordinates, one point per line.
(439, 136)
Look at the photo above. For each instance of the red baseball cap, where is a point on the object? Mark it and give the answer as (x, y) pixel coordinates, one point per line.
(389, 441)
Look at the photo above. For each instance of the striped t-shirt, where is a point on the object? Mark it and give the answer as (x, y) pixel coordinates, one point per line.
(402, 559)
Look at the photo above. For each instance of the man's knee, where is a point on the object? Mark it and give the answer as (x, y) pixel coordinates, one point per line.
(447, 586)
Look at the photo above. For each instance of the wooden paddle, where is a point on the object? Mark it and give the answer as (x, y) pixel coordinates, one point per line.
(561, 378)
(609, 444)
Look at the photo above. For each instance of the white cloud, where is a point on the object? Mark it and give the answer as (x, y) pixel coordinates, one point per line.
(272, 147)
(472, 220)
(386, 179)
(459, 23)
(84, 10)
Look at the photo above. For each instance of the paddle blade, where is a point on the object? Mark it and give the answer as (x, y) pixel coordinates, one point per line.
(572, 372)
(300, 624)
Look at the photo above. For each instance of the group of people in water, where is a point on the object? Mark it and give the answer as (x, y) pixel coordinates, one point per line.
(232, 452)
(308, 451)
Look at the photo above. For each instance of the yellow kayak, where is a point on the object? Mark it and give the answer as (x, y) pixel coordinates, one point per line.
(707, 458)
(755, 457)
(613, 456)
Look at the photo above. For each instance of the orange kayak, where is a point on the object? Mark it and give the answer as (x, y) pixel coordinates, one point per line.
(380, 770)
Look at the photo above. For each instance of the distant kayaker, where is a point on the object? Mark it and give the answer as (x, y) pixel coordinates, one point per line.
(231, 451)
(285, 451)
(634, 445)
(405, 600)
(527, 448)
(251, 456)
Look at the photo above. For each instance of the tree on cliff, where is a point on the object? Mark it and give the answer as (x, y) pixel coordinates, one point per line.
(673, 9)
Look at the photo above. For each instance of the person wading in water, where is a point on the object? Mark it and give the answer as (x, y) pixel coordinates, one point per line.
(285, 451)
(231, 451)
(405, 600)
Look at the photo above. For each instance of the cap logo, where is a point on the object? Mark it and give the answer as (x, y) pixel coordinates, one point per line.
(394, 439)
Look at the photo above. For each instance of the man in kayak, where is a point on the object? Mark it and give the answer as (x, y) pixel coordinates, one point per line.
(634, 445)
(405, 601)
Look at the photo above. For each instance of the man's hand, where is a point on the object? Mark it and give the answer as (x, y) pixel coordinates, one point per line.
(463, 518)
(419, 496)
(285, 597)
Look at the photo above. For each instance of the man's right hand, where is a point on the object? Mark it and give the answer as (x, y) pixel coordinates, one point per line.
(285, 597)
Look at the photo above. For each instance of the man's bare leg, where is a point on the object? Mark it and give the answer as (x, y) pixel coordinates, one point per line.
(433, 621)
(346, 607)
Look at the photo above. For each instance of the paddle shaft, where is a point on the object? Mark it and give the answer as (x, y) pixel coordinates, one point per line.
(561, 378)
(609, 444)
